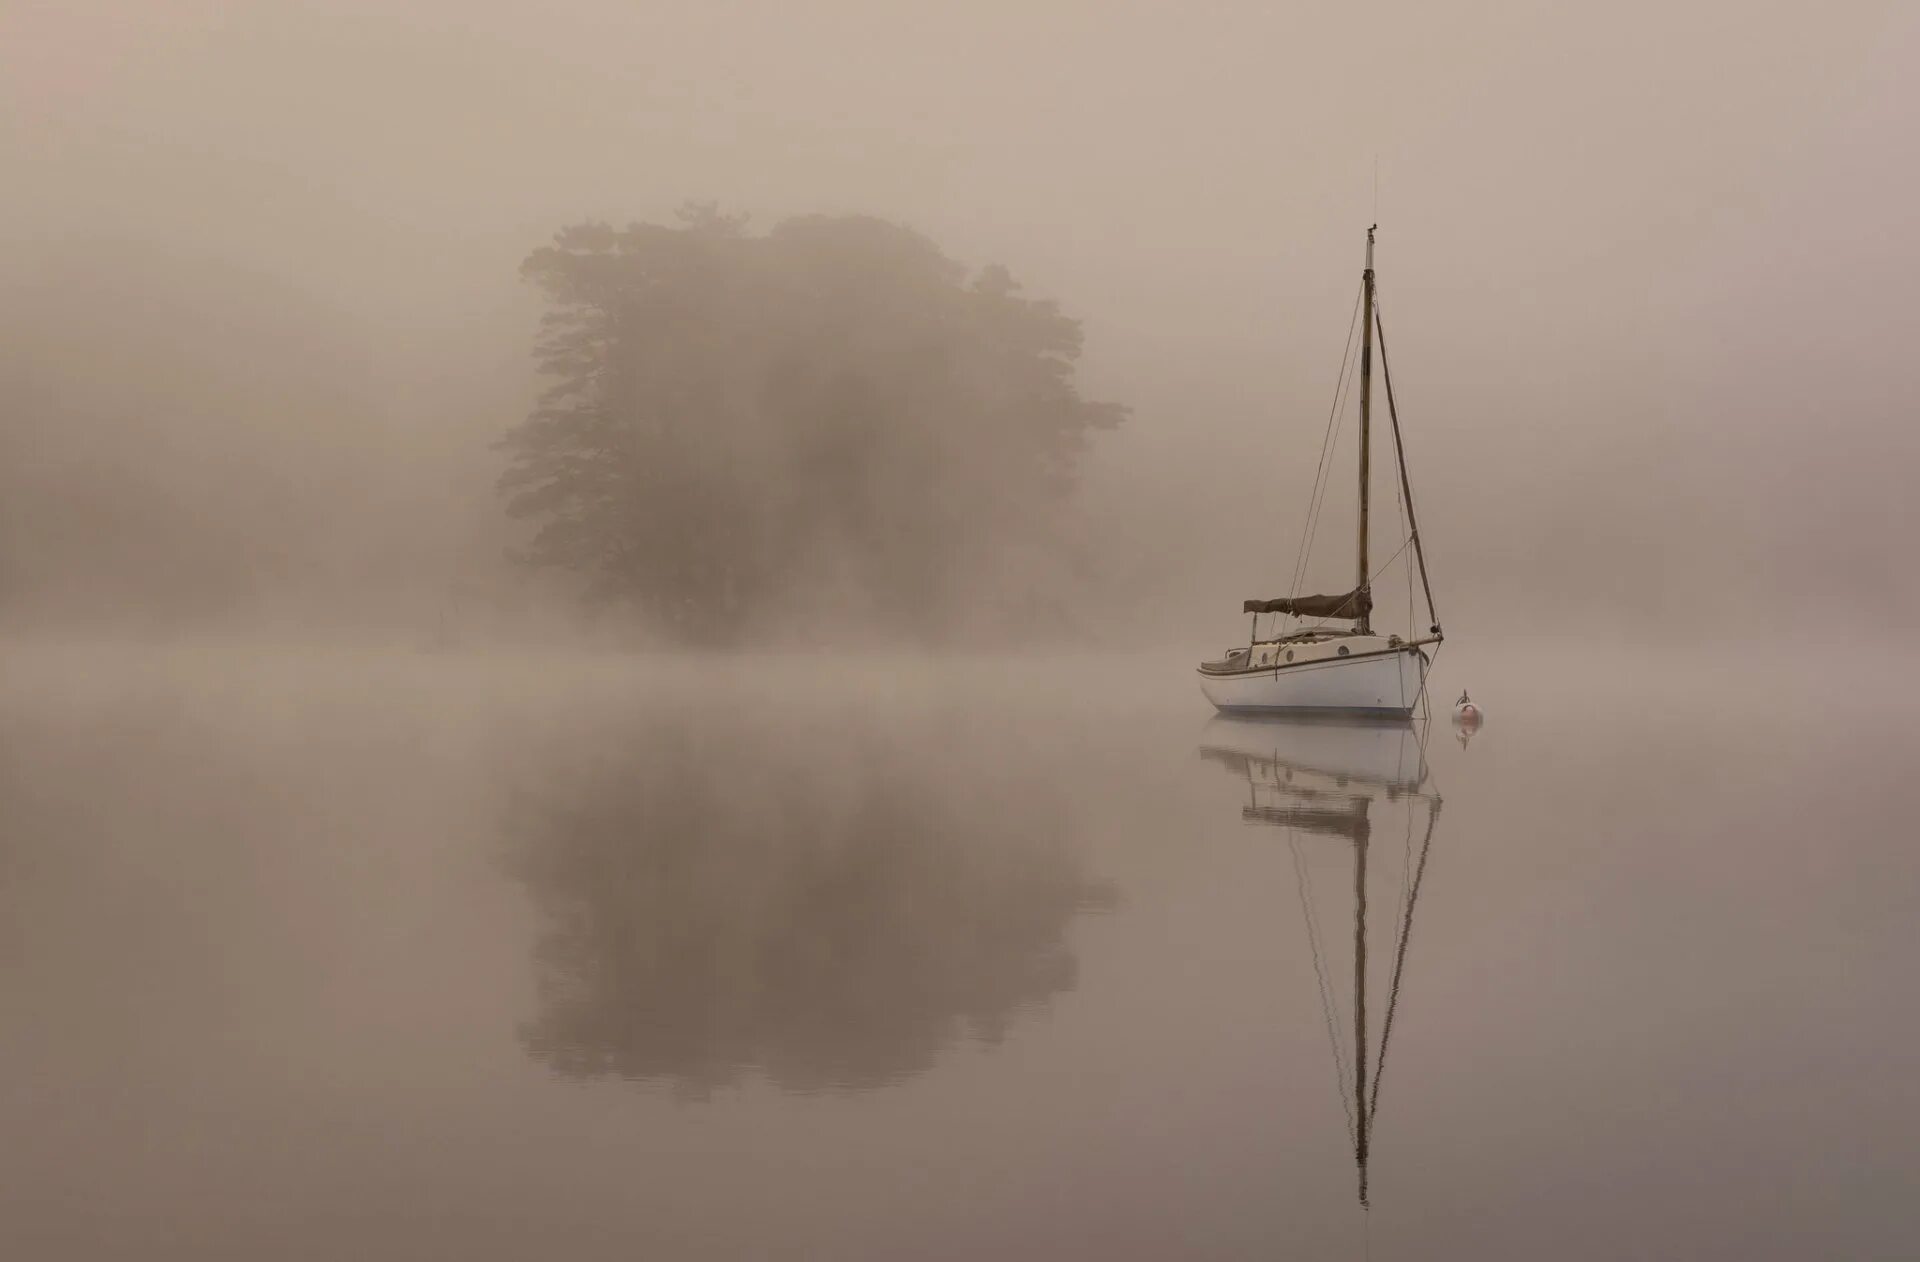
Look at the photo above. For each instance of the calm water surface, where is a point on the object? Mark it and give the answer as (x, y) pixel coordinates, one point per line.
(324, 955)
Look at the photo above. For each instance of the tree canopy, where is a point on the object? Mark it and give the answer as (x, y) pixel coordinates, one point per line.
(830, 419)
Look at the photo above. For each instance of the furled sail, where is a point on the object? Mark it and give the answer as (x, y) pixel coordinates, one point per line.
(1333, 821)
(1354, 604)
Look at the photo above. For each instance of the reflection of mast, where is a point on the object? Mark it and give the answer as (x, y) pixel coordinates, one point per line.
(1366, 1104)
(1321, 779)
(1363, 1131)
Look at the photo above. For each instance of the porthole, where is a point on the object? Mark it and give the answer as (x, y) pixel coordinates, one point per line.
(1289, 654)
(1343, 650)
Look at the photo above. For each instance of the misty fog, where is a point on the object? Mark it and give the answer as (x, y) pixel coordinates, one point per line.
(1644, 269)
(600, 598)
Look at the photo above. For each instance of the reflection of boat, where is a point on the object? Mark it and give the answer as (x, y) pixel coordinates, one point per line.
(1341, 784)
(1315, 667)
(1383, 752)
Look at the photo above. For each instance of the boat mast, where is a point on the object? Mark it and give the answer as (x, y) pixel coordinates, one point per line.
(1363, 626)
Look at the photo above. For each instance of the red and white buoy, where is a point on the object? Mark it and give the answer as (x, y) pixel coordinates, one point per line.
(1466, 713)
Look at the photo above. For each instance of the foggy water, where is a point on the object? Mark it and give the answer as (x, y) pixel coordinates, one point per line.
(320, 954)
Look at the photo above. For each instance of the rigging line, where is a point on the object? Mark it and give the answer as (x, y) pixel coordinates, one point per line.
(1406, 897)
(1406, 866)
(1336, 417)
(1314, 507)
(1400, 958)
(1410, 634)
(1376, 574)
(1426, 702)
(1323, 471)
(1301, 882)
(1326, 444)
(1400, 502)
(1329, 1004)
(1330, 1015)
(1400, 451)
(1330, 437)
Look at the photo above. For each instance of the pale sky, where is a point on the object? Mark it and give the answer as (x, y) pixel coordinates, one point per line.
(1644, 265)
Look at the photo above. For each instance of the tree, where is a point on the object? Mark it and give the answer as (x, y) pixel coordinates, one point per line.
(833, 418)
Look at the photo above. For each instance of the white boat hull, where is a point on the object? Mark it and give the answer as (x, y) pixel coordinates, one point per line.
(1385, 683)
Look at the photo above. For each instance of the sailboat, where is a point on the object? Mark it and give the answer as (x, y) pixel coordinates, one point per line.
(1336, 662)
(1330, 780)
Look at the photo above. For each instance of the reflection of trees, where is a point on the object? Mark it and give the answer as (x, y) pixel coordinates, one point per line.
(830, 913)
